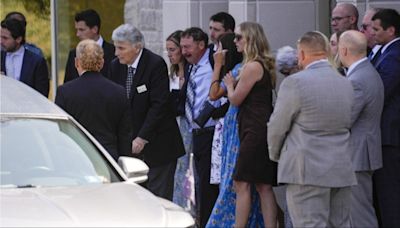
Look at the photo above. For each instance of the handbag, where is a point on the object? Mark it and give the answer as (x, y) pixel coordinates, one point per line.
(205, 113)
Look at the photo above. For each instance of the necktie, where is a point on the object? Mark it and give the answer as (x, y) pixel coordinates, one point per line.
(190, 95)
(374, 59)
(129, 79)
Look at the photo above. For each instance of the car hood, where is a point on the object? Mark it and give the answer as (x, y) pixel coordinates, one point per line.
(105, 205)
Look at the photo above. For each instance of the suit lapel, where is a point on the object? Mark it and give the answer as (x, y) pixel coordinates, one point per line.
(26, 67)
(393, 45)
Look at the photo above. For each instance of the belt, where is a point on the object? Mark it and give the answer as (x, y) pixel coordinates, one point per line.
(198, 131)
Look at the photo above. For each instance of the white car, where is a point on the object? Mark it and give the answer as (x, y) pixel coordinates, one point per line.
(53, 173)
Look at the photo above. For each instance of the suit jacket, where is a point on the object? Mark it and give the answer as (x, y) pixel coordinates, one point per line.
(34, 71)
(102, 108)
(309, 130)
(153, 115)
(388, 66)
(365, 138)
(72, 73)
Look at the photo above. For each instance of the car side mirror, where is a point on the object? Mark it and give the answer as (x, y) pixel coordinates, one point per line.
(135, 169)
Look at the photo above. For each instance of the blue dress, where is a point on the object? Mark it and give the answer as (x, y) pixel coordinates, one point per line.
(223, 213)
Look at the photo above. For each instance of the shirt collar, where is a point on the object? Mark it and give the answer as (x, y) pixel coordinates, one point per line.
(388, 44)
(215, 47)
(204, 59)
(100, 41)
(352, 66)
(316, 62)
(19, 52)
(136, 62)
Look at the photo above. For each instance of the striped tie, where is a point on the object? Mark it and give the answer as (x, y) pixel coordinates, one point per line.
(190, 95)
(129, 79)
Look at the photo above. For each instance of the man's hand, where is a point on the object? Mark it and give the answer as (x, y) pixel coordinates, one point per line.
(138, 145)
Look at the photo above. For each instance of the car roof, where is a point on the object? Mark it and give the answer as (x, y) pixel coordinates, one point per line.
(19, 100)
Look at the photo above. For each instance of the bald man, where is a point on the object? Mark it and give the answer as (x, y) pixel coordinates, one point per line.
(308, 134)
(344, 17)
(365, 138)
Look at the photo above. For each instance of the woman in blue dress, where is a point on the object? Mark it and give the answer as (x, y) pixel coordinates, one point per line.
(223, 215)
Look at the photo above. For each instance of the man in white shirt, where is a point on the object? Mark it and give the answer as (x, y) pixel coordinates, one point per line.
(19, 63)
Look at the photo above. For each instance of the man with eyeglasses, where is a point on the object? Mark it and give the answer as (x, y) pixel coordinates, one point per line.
(368, 31)
(344, 17)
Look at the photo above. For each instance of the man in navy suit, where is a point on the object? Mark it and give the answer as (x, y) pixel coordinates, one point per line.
(156, 136)
(21, 17)
(87, 25)
(97, 103)
(20, 63)
(386, 24)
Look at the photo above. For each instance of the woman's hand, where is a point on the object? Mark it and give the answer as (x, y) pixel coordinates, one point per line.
(219, 56)
(229, 80)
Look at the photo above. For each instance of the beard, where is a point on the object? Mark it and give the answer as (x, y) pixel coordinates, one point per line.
(11, 48)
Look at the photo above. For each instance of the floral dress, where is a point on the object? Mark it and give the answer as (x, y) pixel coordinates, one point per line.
(216, 149)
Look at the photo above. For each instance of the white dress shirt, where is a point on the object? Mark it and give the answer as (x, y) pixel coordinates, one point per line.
(14, 63)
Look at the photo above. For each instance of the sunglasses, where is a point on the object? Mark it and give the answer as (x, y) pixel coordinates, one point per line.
(364, 26)
(238, 37)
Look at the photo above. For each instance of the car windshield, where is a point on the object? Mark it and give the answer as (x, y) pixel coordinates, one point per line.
(39, 152)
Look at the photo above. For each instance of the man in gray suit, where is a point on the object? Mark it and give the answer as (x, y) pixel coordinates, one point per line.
(308, 134)
(365, 138)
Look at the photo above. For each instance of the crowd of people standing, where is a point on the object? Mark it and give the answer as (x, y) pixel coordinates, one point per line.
(215, 139)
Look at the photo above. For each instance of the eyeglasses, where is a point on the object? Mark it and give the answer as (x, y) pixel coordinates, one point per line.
(336, 19)
(238, 37)
(364, 26)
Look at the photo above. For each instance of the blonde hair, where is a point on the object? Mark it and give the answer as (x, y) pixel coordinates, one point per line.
(90, 55)
(257, 48)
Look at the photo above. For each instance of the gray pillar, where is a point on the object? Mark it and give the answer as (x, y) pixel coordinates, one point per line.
(147, 16)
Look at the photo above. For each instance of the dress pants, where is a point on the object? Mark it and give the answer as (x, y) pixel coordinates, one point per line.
(206, 193)
(161, 180)
(313, 206)
(387, 188)
(362, 212)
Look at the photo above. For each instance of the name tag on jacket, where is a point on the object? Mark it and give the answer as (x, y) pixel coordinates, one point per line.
(141, 89)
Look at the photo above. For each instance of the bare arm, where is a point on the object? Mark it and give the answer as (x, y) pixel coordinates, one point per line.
(251, 73)
(216, 91)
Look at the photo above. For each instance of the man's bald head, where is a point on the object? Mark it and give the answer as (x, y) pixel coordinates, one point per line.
(344, 17)
(352, 47)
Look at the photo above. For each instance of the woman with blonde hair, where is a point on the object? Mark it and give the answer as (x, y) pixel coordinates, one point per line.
(253, 94)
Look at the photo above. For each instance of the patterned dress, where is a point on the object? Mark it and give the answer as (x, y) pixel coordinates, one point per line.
(223, 214)
(216, 149)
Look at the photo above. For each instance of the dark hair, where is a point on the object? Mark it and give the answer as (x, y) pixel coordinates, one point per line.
(175, 37)
(18, 16)
(227, 21)
(16, 28)
(232, 56)
(90, 17)
(197, 34)
(388, 17)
